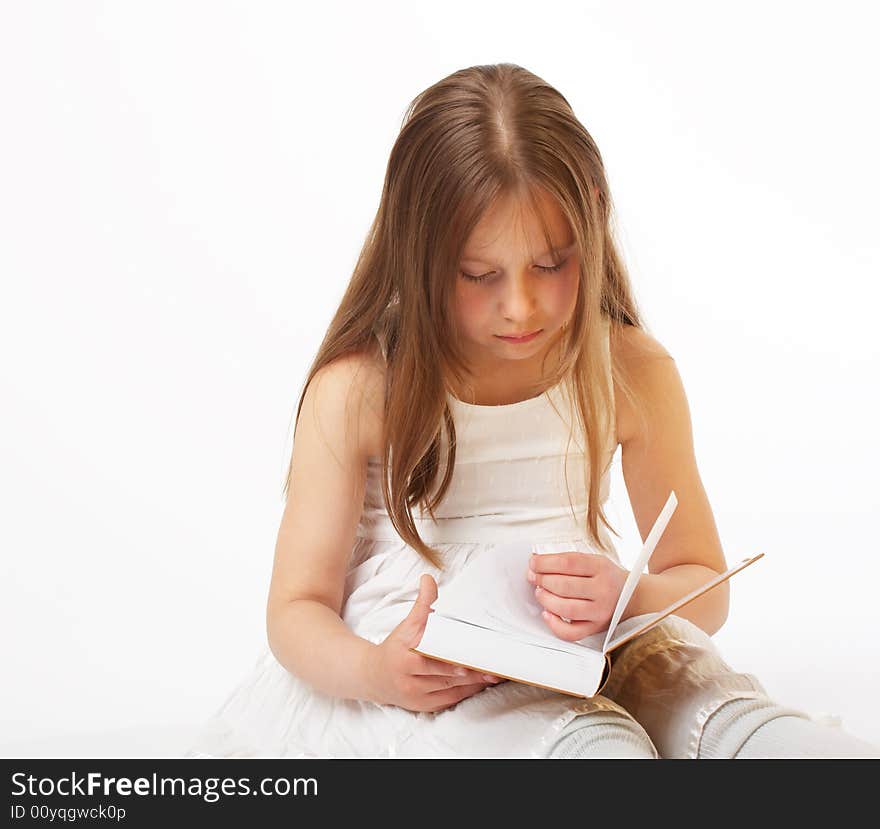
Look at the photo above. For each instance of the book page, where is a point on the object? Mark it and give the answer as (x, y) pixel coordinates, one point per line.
(638, 567)
(626, 631)
(492, 591)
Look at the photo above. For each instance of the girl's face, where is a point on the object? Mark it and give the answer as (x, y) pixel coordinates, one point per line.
(517, 289)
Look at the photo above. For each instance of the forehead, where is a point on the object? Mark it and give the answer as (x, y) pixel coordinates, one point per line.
(513, 223)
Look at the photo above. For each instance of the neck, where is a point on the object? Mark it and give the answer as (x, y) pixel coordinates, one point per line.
(498, 384)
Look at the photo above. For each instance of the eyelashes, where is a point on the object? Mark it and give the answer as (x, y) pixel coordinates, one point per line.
(544, 268)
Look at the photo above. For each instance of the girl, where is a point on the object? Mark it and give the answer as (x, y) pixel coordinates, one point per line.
(485, 362)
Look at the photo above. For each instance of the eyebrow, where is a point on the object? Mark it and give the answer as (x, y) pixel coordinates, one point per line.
(559, 249)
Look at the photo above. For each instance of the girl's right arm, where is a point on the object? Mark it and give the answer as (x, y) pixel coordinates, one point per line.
(338, 428)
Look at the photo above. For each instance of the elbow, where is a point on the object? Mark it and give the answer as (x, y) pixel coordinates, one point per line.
(721, 608)
(270, 631)
(274, 624)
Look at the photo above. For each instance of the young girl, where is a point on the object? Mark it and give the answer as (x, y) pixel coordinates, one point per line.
(484, 364)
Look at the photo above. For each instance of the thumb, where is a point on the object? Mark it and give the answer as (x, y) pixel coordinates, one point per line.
(418, 615)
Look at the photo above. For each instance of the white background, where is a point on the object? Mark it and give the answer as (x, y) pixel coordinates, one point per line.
(184, 189)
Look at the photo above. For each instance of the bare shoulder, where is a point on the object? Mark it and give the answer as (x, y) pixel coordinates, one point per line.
(635, 347)
(646, 366)
(347, 394)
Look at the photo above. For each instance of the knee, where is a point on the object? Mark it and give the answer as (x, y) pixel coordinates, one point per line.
(603, 734)
(762, 728)
(799, 737)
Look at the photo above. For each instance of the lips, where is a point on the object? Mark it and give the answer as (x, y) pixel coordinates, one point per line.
(520, 336)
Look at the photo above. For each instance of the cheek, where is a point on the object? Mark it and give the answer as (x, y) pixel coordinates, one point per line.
(564, 293)
(471, 307)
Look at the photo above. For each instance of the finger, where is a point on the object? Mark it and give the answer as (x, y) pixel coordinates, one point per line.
(574, 587)
(444, 698)
(580, 610)
(427, 592)
(569, 631)
(436, 684)
(426, 666)
(571, 563)
(413, 626)
(456, 674)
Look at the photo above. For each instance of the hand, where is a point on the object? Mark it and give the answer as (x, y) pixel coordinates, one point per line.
(407, 679)
(582, 587)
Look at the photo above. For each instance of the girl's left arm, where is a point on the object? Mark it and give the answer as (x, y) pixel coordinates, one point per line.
(657, 455)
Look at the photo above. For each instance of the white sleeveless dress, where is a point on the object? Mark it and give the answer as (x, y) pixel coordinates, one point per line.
(519, 473)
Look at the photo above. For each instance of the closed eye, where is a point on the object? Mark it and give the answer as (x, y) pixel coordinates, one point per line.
(544, 268)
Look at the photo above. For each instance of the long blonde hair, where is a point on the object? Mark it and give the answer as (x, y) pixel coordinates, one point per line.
(479, 134)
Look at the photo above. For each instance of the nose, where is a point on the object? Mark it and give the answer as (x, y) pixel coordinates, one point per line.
(518, 300)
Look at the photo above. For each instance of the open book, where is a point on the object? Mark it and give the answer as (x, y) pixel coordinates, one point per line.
(488, 619)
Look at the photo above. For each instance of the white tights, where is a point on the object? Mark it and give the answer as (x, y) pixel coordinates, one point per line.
(739, 729)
